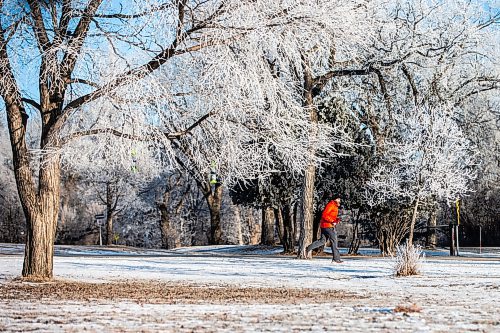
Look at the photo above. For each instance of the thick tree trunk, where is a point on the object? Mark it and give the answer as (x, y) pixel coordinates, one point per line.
(164, 225)
(268, 222)
(40, 207)
(41, 224)
(253, 227)
(306, 226)
(168, 235)
(39, 250)
(238, 224)
(109, 230)
(214, 201)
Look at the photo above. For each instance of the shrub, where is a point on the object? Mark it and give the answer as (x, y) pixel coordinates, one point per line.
(407, 260)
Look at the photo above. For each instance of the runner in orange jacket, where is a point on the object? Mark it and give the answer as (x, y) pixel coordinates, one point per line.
(329, 217)
(329, 220)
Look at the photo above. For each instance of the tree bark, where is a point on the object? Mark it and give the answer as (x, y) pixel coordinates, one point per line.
(109, 214)
(355, 242)
(238, 224)
(306, 226)
(413, 220)
(164, 225)
(280, 228)
(41, 207)
(268, 222)
(431, 232)
(214, 201)
(168, 236)
(41, 224)
(253, 227)
(288, 230)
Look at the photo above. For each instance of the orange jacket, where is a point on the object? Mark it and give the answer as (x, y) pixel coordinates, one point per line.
(329, 217)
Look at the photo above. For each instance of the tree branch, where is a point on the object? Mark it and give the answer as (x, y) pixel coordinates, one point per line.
(383, 88)
(39, 27)
(175, 135)
(83, 81)
(321, 81)
(161, 7)
(112, 131)
(32, 103)
(97, 131)
(75, 44)
(411, 81)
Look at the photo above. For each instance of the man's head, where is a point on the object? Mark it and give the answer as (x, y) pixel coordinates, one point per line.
(337, 199)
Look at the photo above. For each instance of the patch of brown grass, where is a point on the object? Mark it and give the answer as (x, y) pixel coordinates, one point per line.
(412, 308)
(163, 293)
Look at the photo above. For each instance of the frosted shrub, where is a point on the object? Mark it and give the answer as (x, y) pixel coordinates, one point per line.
(407, 259)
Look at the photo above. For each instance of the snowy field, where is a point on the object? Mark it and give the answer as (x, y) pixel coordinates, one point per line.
(247, 289)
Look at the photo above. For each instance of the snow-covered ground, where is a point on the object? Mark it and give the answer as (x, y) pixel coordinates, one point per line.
(247, 289)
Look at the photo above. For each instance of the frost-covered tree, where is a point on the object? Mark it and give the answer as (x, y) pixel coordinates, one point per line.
(277, 196)
(414, 51)
(429, 52)
(11, 217)
(428, 157)
(174, 198)
(65, 46)
(346, 174)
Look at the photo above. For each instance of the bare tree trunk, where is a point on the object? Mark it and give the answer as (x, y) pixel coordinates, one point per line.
(431, 232)
(280, 228)
(168, 234)
(214, 201)
(164, 225)
(268, 222)
(413, 220)
(391, 229)
(109, 214)
(164, 220)
(41, 223)
(306, 226)
(289, 230)
(295, 221)
(316, 225)
(41, 205)
(238, 224)
(253, 227)
(354, 247)
(69, 188)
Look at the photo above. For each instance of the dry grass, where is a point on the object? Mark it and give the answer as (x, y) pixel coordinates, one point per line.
(154, 292)
(412, 308)
(407, 260)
